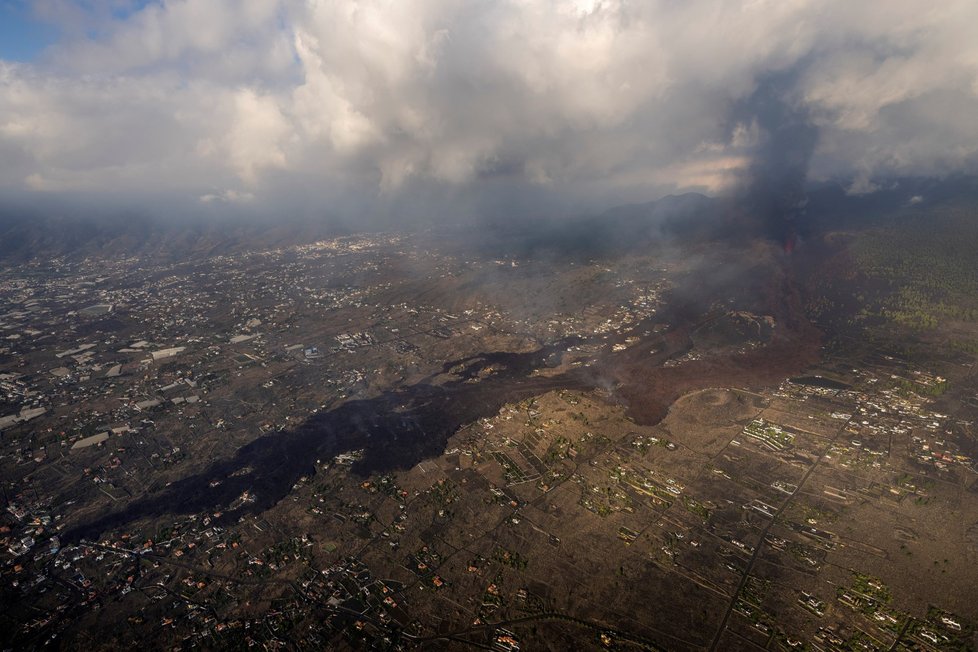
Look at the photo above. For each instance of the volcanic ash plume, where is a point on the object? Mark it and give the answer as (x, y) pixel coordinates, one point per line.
(773, 192)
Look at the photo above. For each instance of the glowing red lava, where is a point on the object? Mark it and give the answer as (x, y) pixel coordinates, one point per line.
(790, 242)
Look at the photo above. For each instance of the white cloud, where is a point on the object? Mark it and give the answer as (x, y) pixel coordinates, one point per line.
(600, 99)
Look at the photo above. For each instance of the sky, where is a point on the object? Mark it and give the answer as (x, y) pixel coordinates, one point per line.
(474, 106)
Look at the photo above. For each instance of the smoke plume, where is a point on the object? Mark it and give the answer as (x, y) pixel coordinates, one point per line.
(773, 191)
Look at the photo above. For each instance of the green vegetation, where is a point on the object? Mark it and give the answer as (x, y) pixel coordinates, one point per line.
(627, 535)
(511, 470)
(930, 387)
(943, 630)
(444, 493)
(770, 434)
(871, 587)
(696, 507)
(558, 450)
(928, 269)
(510, 558)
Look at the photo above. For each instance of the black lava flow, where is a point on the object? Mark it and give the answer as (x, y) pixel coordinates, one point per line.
(396, 429)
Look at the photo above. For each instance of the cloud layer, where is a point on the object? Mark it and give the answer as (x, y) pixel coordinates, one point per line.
(488, 105)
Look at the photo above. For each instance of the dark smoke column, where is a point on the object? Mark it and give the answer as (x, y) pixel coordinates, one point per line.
(773, 193)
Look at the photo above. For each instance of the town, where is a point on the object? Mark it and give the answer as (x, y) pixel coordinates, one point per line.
(813, 514)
